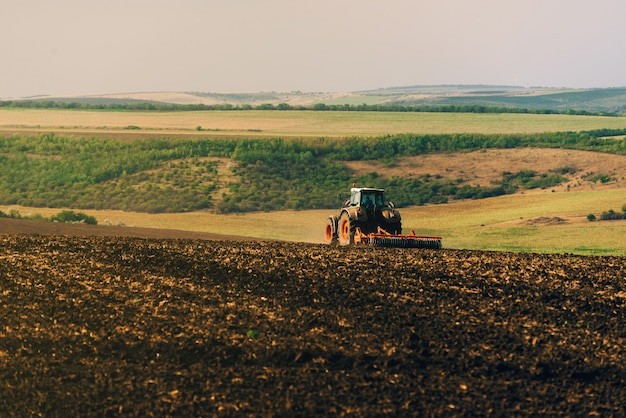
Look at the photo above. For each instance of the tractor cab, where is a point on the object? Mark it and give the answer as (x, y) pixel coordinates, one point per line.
(367, 198)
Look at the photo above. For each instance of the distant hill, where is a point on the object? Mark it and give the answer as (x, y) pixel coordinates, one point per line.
(611, 100)
(592, 100)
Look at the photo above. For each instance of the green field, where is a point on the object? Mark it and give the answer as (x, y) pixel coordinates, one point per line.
(522, 222)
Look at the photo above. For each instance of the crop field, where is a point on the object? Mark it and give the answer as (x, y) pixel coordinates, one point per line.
(255, 123)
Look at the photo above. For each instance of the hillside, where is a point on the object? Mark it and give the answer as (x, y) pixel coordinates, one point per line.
(525, 221)
(581, 170)
(235, 175)
(592, 100)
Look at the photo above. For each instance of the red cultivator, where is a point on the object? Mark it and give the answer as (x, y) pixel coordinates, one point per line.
(382, 238)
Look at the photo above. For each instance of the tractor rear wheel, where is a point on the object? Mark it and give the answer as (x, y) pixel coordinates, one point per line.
(345, 230)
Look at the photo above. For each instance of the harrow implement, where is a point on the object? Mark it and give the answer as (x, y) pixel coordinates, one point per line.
(382, 238)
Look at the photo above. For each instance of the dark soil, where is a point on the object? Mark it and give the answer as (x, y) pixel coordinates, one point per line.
(126, 326)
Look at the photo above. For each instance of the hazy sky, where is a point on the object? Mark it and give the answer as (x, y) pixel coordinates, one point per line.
(69, 47)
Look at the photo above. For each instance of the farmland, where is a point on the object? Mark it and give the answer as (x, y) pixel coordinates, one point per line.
(516, 98)
(288, 123)
(202, 313)
(108, 326)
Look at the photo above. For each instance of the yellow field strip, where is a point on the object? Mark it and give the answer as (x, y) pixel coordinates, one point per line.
(293, 123)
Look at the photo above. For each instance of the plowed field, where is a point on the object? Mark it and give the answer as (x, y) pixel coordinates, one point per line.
(127, 326)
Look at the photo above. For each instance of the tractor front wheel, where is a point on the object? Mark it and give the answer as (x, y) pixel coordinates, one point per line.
(345, 231)
(331, 231)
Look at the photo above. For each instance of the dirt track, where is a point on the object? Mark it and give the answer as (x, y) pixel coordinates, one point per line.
(108, 326)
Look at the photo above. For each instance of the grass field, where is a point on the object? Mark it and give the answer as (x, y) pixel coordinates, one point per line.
(521, 222)
(290, 123)
(542, 222)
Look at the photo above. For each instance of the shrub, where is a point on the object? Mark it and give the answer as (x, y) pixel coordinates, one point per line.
(611, 215)
(13, 213)
(566, 169)
(70, 216)
(602, 178)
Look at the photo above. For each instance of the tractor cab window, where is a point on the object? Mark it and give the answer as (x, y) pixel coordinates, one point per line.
(367, 200)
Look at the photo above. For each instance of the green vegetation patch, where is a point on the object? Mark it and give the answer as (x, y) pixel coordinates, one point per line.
(66, 216)
(146, 176)
(529, 179)
(175, 175)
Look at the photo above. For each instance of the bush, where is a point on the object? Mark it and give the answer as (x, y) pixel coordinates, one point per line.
(611, 215)
(69, 216)
(591, 217)
(602, 178)
(13, 213)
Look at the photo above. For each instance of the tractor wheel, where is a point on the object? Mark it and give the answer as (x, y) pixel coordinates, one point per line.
(345, 231)
(330, 236)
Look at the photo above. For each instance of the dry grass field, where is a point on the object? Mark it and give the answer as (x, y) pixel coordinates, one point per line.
(485, 167)
(288, 123)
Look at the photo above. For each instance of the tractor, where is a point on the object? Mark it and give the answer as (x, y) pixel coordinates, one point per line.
(366, 218)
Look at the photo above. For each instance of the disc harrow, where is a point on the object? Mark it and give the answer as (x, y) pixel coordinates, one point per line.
(382, 238)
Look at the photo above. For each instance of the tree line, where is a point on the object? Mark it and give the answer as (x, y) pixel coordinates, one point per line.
(139, 105)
